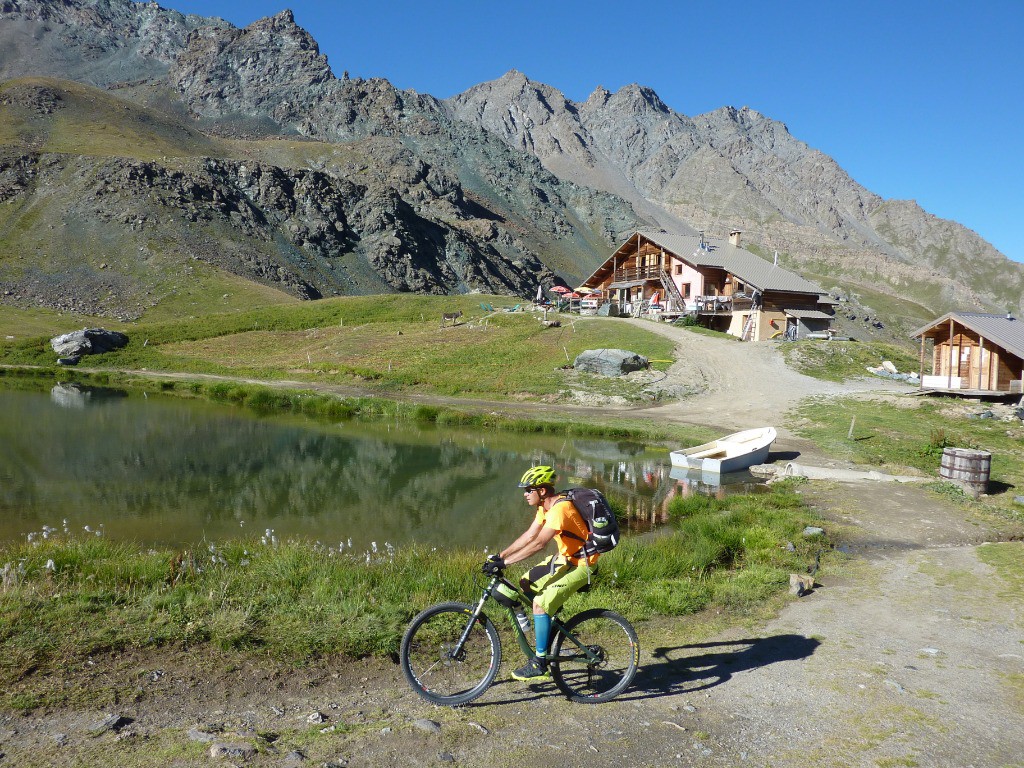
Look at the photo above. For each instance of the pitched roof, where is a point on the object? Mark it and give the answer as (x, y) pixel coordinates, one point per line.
(751, 269)
(1005, 330)
(808, 314)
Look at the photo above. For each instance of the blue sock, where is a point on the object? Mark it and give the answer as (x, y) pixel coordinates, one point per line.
(541, 630)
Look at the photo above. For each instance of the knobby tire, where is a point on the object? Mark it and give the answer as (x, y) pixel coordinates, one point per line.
(427, 661)
(613, 639)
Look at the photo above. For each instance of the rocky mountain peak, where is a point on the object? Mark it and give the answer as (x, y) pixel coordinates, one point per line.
(268, 68)
(598, 98)
(640, 99)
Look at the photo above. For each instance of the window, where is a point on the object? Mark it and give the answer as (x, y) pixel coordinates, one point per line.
(684, 289)
(679, 269)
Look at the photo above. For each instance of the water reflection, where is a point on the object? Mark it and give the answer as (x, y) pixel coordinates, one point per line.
(164, 470)
(72, 395)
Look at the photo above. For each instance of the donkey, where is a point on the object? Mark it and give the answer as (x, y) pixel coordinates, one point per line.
(453, 316)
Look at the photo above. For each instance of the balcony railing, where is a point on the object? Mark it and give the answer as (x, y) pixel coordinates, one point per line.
(718, 305)
(623, 275)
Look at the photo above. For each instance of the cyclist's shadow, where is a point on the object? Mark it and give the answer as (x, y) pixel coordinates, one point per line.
(673, 671)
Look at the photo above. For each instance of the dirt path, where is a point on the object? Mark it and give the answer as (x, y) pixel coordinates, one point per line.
(914, 658)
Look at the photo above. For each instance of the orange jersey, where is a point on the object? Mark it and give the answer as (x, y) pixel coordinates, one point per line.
(564, 518)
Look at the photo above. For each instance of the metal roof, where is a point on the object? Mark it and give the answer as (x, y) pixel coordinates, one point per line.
(749, 268)
(809, 314)
(1005, 330)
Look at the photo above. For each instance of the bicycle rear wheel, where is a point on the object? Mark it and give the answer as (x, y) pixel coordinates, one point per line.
(431, 666)
(609, 638)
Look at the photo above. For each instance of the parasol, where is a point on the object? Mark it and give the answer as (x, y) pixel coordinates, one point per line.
(540, 294)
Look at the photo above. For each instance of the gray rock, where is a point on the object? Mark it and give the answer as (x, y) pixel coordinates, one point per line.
(609, 362)
(811, 531)
(430, 726)
(198, 734)
(895, 686)
(88, 341)
(108, 723)
(223, 750)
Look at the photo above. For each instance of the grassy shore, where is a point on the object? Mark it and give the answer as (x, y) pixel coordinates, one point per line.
(912, 432)
(66, 597)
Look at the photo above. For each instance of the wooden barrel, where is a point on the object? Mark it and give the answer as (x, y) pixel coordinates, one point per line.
(968, 467)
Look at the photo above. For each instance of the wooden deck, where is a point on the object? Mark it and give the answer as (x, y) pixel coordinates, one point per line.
(967, 392)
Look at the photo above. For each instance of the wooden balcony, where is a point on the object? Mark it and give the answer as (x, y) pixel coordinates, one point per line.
(722, 305)
(630, 274)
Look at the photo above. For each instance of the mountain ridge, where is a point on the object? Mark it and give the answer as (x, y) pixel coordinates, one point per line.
(499, 188)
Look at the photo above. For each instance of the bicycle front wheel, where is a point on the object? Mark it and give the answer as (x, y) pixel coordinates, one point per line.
(432, 665)
(606, 667)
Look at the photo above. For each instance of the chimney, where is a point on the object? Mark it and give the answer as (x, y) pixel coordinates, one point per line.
(734, 238)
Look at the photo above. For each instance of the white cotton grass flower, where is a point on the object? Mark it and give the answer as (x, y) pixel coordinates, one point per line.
(50, 566)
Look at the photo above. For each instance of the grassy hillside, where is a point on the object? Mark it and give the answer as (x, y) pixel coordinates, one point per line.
(379, 344)
(61, 116)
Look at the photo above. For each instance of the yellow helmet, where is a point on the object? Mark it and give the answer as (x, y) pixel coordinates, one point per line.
(540, 475)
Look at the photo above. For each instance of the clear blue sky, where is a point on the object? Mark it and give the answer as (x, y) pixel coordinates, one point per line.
(915, 99)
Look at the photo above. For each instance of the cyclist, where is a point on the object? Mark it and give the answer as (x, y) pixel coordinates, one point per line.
(551, 582)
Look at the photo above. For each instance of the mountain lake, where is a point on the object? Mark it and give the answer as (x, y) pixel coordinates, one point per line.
(162, 470)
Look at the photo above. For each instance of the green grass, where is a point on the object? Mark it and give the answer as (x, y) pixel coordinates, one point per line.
(65, 598)
(381, 344)
(842, 360)
(20, 325)
(1008, 560)
(911, 433)
(89, 121)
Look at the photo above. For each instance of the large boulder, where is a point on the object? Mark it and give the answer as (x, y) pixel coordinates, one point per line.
(88, 341)
(609, 362)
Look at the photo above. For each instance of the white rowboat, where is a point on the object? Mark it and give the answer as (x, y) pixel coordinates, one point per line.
(728, 454)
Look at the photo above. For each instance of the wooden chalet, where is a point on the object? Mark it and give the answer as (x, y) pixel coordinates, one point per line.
(724, 286)
(973, 354)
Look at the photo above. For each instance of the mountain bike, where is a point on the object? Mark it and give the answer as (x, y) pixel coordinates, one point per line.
(451, 651)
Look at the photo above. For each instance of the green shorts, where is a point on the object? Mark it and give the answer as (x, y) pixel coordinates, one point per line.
(553, 581)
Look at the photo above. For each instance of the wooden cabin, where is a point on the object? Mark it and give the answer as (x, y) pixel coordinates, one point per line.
(722, 285)
(973, 354)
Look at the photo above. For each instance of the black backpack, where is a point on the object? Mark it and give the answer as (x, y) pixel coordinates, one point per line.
(600, 520)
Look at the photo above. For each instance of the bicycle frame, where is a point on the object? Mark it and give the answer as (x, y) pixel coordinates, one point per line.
(524, 645)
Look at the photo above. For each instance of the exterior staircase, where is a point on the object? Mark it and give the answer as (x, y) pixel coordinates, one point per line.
(671, 292)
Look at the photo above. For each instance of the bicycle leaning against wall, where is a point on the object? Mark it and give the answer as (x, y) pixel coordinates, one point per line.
(451, 651)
